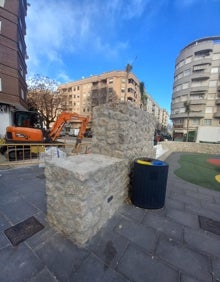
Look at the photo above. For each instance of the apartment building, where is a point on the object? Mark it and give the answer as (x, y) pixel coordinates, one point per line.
(197, 84)
(13, 68)
(82, 95)
(161, 115)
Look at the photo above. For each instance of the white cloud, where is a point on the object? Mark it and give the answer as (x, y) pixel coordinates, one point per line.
(57, 28)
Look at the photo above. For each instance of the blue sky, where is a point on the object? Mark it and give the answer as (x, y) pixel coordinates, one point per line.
(71, 39)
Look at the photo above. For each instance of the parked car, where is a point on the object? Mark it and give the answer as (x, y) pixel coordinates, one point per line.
(88, 134)
(62, 133)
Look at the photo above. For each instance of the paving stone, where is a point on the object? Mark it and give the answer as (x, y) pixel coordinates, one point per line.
(108, 246)
(186, 260)
(4, 223)
(138, 267)
(44, 276)
(188, 200)
(61, 256)
(201, 196)
(37, 199)
(212, 207)
(17, 209)
(216, 269)
(132, 212)
(96, 271)
(164, 225)
(18, 264)
(4, 242)
(202, 241)
(186, 278)
(174, 204)
(139, 234)
(184, 218)
(202, 211)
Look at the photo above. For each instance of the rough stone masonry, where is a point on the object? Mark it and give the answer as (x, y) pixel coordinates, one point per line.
(84, 191)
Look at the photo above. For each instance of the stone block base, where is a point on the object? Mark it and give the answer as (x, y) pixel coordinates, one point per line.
(83, 192)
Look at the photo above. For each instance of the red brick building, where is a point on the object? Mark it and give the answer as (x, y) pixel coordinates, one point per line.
(13, 69)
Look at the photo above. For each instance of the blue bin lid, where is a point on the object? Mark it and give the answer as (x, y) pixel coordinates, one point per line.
(157, 162)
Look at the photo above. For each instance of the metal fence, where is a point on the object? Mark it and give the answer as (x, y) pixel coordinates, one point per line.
(24, 154)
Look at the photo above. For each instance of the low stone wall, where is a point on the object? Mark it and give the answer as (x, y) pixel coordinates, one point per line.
(122, 130)
(171, 146)
(83, 192)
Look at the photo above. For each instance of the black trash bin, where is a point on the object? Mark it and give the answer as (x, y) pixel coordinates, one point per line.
(148, 183)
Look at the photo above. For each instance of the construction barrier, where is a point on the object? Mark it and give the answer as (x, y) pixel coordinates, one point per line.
(29, 153)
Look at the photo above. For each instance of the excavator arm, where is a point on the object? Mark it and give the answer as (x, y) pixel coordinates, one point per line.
(62, 119)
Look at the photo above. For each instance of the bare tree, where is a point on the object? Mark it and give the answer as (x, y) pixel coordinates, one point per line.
(44, 98)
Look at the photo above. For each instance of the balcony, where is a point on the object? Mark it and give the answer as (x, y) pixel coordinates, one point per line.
(197, 102)
(217, 101)
(177, 126)
(199, 114)
(200, 75)
(217, 114)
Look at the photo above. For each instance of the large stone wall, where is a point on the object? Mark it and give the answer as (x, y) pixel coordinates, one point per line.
(122, 130)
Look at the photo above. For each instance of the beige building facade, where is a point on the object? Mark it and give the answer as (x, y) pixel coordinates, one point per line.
(82, 95)
(196, 83)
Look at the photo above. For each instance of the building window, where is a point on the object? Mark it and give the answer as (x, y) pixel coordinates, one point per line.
(208, 110)
(21, 71)
(188, 60)
(212, 83)
(185, 85)
(211, 96)
(207, 122)
(198, 83)
(0, 84)
(195, 121)
(20, 46)
(203, 53)
(180, 64)
(186, 72)
(200, 67)
(179, 121)
(2, 3)
(111, 80)
(216, 56)
(214, 70)
(22, 94)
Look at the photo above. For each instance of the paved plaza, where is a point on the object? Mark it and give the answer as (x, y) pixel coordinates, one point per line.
(135, 245)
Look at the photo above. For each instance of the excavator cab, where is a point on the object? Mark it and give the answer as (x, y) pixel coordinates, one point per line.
(28, 119)
(27, 127)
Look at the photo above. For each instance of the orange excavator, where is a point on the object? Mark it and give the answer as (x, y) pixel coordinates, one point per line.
(28, 128)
